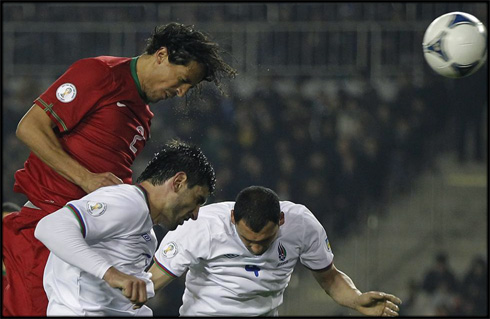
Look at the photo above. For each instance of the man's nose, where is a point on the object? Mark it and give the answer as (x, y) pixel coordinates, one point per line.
(183, 89)
(257, 249)
(195, 213)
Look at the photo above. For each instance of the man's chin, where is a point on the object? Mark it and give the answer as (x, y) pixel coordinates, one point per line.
(169, 227)
(153, 101)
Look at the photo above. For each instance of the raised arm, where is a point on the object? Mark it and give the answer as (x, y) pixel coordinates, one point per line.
(343, 291)
(35, 129)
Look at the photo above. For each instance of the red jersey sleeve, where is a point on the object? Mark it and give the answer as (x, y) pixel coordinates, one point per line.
(74, 94)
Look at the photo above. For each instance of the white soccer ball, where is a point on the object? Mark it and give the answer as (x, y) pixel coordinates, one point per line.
(455, 44)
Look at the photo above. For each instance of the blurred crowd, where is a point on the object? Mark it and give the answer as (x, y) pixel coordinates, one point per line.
(442, 293)
(223, 12)
(335, 145)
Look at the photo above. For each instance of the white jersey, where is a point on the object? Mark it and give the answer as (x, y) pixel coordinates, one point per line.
(224, 278)
(116, 223)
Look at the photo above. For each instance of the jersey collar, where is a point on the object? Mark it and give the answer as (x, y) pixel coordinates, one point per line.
(145, 193)
(136, 80)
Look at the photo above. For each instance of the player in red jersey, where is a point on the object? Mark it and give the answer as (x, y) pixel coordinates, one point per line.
(84, 132)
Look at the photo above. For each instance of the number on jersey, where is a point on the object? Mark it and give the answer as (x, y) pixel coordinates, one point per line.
(253, 268)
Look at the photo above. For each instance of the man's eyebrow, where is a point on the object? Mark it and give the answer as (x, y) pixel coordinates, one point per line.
(259, 241)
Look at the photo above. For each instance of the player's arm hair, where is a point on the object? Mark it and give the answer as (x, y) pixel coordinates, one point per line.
(35, 129)
(160, 279)
(337, 285)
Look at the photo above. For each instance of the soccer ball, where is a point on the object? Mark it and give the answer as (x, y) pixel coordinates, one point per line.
(455, 44)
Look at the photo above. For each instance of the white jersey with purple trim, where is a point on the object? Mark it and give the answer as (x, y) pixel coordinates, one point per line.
(116, 223)
(224, 278)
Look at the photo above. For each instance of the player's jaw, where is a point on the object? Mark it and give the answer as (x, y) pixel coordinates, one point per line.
(186, 206)
(160, 95)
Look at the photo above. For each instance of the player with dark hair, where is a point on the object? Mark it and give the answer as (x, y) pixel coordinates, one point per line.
(185, 44)
(241, 256)
(105, 239)
(257, 206)
(85, 131)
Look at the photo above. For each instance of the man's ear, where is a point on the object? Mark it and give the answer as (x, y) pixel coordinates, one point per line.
(233, 217)
(161, 54)
(281, 219)
(179, 181)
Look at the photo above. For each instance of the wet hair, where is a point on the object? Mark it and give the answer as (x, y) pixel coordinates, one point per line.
(257, 205)
(177, 156)
(185, 44)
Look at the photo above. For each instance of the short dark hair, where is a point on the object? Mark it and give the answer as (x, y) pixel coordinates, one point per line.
(185, 44)
(257, 205)
(177, 156)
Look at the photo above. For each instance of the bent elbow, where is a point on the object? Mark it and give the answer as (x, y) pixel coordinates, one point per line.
(20, 132)
(33, 125)
(26, 131)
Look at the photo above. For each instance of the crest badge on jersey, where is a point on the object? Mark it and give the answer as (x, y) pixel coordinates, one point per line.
(282, 252)
(170, 250)
(328, 244)
(66, 92)
(96, 208)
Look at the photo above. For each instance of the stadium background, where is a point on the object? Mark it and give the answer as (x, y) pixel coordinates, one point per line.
(334, 107)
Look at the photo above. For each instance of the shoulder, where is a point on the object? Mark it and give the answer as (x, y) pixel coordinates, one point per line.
(97, 69)
(288, 205)
(213, 219)
(122, 197)
(214, 209)
(293, 209)
(217, 214)
(299, 214)
(97, 64)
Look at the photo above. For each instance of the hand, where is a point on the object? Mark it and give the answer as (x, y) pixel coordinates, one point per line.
(95, 181)
(131, 287)
(375, 303)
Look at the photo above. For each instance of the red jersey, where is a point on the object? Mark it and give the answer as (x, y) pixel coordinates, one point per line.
(102, 122)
